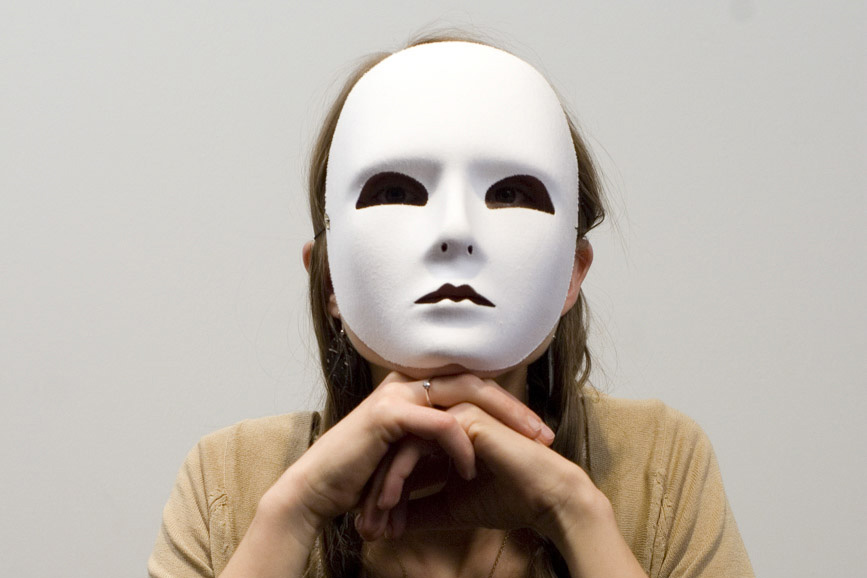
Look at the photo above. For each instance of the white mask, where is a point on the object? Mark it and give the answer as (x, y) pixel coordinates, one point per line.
(420, 141)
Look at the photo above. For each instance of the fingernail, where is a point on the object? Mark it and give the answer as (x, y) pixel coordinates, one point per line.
(547, 433)
(535, 423)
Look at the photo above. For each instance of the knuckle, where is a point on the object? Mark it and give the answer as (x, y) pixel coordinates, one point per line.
(381, 406)
(468, 416)
(464, 409)
(444, 421)
(473, 430)
(488, 392)
(389, 388)
(464, 381)
(471, 381)
(395, 377)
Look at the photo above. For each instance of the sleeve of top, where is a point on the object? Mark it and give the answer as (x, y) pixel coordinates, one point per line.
(697, 534)
(183, 549)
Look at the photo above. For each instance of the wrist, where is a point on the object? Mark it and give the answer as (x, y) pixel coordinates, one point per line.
(581, 518)
(283, 508)
(586, 534)
(580, 514)
(278, 541)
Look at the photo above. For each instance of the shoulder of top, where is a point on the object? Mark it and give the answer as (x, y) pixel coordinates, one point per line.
(629, 436)
(647, 415)
(284, 429)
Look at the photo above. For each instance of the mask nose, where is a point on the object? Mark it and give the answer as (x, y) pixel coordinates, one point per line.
(455, 252)
(456, 246)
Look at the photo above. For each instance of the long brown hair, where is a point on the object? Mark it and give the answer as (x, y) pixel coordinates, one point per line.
(555, 394)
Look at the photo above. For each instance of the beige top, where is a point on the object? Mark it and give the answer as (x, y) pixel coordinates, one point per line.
(656, 466)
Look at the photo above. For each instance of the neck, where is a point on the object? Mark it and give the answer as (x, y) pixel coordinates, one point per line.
(445, 553)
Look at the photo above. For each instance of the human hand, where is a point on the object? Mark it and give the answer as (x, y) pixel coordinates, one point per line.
(521, 483)
(330, 478)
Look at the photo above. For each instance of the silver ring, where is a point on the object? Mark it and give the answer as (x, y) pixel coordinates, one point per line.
(426, 385)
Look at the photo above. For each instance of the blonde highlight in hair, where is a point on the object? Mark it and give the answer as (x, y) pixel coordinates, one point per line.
(347, 380)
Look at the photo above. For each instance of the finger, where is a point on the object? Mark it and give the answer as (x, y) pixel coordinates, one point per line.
(398, 517)
(371, 526)
(493, 399)
(492, 439)
(499, 449)
(433, 424)
(373, 519)
(400, 468)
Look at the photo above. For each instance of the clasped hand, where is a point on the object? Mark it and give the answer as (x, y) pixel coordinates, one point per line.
(505, 475)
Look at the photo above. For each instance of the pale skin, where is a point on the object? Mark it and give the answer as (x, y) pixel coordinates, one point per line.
(503, 477)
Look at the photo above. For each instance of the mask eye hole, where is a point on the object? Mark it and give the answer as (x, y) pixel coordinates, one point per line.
(391, 189)
(519, 191)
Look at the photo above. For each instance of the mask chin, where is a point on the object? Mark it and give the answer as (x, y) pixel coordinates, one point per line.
(380, 367)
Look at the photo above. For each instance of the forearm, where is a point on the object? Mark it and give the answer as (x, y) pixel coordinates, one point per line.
(591, 543)
(277, 543)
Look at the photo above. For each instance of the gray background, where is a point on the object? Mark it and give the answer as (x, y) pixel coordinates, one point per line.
(151, 175)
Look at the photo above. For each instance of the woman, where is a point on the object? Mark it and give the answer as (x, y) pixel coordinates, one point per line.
(450, 197)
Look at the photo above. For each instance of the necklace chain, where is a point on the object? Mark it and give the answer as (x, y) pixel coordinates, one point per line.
(490, 574)
(499, 553)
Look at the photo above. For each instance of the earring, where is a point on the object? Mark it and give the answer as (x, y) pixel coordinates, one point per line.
(339, 351)
(326, 228)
